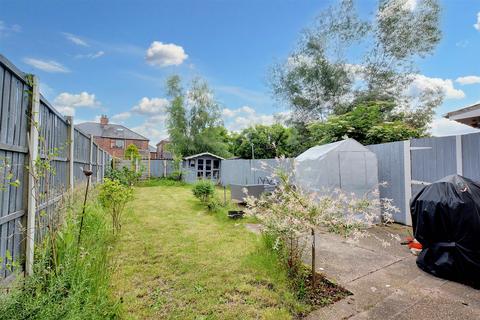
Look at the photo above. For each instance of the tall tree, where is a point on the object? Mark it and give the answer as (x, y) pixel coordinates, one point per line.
(264, 142)
(343, 57)
(368, 123)
(194, 123)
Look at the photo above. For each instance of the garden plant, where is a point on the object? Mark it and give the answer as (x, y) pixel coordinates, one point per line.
(289, 214)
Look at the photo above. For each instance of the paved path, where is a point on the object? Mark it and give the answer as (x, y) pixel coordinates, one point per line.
(387, 284)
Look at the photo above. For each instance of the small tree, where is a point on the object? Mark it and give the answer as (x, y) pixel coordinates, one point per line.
(288, 214)
(114, 196)
(132, 152)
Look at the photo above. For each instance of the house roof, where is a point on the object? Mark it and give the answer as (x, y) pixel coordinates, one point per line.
(152, 148)
(203, 154)
(115, 131)
(468, 115)
(164, 141)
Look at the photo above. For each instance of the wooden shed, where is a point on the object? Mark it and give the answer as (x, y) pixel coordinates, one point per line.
(204, 165)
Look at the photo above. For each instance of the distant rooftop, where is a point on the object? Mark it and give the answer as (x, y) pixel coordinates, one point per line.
(468, 115)
(107, 130)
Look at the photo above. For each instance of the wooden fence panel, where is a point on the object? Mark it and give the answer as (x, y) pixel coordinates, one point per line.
(53, 145)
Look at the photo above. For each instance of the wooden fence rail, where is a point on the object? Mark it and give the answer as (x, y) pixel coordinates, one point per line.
(31, 130)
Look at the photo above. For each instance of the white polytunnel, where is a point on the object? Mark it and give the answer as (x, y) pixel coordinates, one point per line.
(345, 165)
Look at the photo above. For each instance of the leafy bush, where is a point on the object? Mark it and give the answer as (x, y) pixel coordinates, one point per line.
(69, 282)
(124, 175)
(176, 175)
(114, 196)
(204, 190)
(214, 204)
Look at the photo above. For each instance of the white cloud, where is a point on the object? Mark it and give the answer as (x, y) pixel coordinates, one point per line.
(150, 106)
(165, 54)
(468, 80)
(477, 25)
(153, 128)
(6, 30)
(75, 39)
(47, 66)
(229, 113)
(120, 117)
(445, 127)
(423, 83)
(94, 55)
(244, 117)
(66, 103)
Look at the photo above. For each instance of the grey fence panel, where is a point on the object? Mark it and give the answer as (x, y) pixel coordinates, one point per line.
(157, 168)
(13, 151)
(471, 156)
(390, 157)
(94, 162)
(436, 161)
(81, 155)
(53, 146)
(258, 171)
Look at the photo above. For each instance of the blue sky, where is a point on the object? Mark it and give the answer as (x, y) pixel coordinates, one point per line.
(112, 57)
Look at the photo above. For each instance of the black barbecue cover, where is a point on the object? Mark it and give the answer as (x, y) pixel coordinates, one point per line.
(446, 221)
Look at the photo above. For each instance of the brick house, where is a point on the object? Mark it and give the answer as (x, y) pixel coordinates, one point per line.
(115, 138)
(162, 152)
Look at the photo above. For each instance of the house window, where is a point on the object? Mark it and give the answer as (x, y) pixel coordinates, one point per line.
(118, 143)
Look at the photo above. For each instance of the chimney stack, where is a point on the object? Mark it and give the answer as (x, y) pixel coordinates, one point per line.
(104, 119)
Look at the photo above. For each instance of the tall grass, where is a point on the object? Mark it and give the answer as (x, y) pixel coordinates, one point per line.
(69, 282)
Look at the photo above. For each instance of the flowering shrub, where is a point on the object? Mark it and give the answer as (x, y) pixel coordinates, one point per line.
(288, 214)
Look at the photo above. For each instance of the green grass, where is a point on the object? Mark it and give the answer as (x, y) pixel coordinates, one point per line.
(77, 287)
(174, 260)
(156, 182)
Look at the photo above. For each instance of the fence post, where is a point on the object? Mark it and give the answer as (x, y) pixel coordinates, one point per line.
(149, 168)
(71, 149)
(104, 164)
(98, 164)
(459, 155)
(31, 200)
(164, 168)
(90, 152)
(407, 170)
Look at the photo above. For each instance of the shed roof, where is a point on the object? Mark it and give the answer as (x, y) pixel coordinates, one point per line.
(203, 154)
(115, 131)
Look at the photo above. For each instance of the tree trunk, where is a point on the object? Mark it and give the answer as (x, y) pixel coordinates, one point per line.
(314, 278)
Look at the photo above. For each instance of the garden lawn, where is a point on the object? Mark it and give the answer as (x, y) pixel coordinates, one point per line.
(175, 260)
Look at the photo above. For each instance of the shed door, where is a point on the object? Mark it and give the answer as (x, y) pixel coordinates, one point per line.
(353, 173)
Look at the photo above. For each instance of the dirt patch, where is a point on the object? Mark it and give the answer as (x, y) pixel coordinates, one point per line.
(323, 294)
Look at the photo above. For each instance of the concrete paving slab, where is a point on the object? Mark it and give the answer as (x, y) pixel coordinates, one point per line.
(386, 283)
